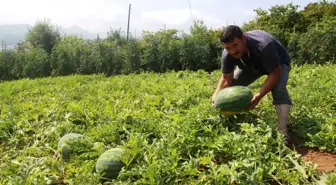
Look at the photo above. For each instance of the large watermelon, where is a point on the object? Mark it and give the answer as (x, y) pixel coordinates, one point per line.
(64, 147)
(233, 100)
(109, 163)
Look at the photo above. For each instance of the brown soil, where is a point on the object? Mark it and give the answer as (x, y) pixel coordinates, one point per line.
(326, 162)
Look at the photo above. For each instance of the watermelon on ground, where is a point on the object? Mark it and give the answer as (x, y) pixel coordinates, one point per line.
(233, 100)
(64, 147)
(109, 164)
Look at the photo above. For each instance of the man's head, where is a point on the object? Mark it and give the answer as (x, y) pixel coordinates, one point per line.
(234, 41)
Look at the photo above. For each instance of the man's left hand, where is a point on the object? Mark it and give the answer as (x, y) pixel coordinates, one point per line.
(255, 100)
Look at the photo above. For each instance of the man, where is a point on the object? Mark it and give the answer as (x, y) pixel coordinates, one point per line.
(257, 53)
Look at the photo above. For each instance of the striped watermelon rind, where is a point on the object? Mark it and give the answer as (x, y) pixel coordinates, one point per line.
(109, 163)
(64, 147)
(233, 100)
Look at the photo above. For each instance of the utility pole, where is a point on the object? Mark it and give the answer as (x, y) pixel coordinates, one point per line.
(129, 14)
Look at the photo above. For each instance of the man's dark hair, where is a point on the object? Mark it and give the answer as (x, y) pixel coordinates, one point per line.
(230, 32)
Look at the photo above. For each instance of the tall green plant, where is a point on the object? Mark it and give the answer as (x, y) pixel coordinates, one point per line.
(200, 49)
(36, 63)
(279, 20)
(65, 58)
(132, 62)
(314, 12)
(318, 44)
(43, 34)
(7, 64)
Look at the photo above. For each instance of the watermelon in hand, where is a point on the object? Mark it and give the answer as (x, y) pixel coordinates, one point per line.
(233, 100)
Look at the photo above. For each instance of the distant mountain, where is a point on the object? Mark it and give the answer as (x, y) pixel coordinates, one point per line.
(13, 34)
(76, 30)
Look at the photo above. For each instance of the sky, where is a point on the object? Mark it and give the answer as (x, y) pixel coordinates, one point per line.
(151, 15)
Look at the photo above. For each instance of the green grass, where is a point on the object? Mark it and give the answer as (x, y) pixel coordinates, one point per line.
(167, 123)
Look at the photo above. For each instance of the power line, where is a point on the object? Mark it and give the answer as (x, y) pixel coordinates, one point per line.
(118, 2)
(121, 2)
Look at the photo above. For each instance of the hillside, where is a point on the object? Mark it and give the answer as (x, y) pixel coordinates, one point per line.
(13, 34)
(167, 124)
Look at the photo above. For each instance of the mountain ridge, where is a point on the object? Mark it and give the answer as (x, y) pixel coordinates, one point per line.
(12, 34)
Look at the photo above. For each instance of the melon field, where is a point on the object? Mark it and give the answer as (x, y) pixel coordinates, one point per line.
(167, 127)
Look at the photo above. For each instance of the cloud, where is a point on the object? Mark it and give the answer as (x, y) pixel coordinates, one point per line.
(177, 17)
(249, 13)
(171, 16)
(85, 13)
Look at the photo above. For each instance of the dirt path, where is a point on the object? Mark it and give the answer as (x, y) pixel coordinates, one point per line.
(326, 162)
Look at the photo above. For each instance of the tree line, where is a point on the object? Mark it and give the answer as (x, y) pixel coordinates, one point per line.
(308, 34)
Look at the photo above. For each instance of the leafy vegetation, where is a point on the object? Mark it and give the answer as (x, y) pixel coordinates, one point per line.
(168, 125)
(152, 96)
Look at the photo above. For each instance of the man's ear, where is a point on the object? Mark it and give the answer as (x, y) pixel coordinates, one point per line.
(244, 37)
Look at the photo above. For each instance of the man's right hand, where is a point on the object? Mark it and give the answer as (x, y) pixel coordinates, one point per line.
(224, 81)
(213, 99)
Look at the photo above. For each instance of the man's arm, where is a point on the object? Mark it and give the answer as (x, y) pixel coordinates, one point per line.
(270, 82)
(271, 63)
(224, 81)
(227, 68)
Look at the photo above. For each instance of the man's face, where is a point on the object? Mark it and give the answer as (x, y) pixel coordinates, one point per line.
(237, 47)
